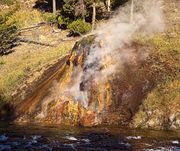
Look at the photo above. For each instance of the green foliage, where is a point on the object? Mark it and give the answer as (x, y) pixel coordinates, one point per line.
(79, 27)
(7, 2)
(72, 10)
(161, 107)
(8, 35)
(75, 9)
(68, 8)
(116, 3)
(165, 57)
(11, 12)
(49, 17)
(166, 43)
(2, 62)
(8, 28)
(67, 14)
(64, 21)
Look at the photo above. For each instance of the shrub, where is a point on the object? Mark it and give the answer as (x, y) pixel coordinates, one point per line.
(49, 17)
(79, 27)
(64, 22)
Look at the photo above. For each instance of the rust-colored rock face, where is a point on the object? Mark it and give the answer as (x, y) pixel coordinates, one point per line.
(84, 94)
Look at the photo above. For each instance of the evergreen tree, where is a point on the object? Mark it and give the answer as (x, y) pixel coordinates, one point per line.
(8, 35)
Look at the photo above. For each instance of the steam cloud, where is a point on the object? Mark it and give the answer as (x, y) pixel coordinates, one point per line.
(111, 52)
(112, 37)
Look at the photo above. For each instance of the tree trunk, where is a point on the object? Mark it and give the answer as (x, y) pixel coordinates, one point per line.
(80, 9)
(108, 5)
(83, 10)
(94, 15)
(132, 11)
(54, 6)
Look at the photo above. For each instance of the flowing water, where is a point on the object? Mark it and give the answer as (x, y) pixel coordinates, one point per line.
(52, 137)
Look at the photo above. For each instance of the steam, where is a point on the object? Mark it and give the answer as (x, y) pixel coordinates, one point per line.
(110, 51)
(112, 37)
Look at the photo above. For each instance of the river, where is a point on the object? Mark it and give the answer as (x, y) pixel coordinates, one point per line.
(34, 137)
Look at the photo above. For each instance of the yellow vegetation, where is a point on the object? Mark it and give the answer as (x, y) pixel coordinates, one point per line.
(161, 108)
(26, 18)
(15, 67)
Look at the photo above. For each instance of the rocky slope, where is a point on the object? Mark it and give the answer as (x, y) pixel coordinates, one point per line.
(113, 101)
(143, 92)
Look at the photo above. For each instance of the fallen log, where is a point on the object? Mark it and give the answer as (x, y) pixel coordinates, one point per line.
(35, 42)
(35, 26)
(32, 27)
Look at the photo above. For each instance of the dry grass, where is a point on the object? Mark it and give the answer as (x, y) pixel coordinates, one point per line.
(161, 109)
(24, 18)
(15, 67)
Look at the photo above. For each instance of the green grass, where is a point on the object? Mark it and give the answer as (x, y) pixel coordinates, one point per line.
(162, 103)
(2, 62)
(166, 43)
(7, 2)
(26, 18)
(15, 68)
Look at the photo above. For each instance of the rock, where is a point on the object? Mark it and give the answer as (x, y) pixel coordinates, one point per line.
(75, 97)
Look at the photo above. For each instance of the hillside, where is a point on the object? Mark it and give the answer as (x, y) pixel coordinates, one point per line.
(29, 62)
(27, 57)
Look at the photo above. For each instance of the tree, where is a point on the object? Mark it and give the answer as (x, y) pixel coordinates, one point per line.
(116, 3)
(54, 6)
(72, 10)
(108, 5)
(93, 14)
(8, 35)
(80, 10)
(132, 11)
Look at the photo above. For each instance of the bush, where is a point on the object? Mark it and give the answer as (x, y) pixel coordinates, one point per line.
(79, 27)
(49, 17)
(64, 22)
